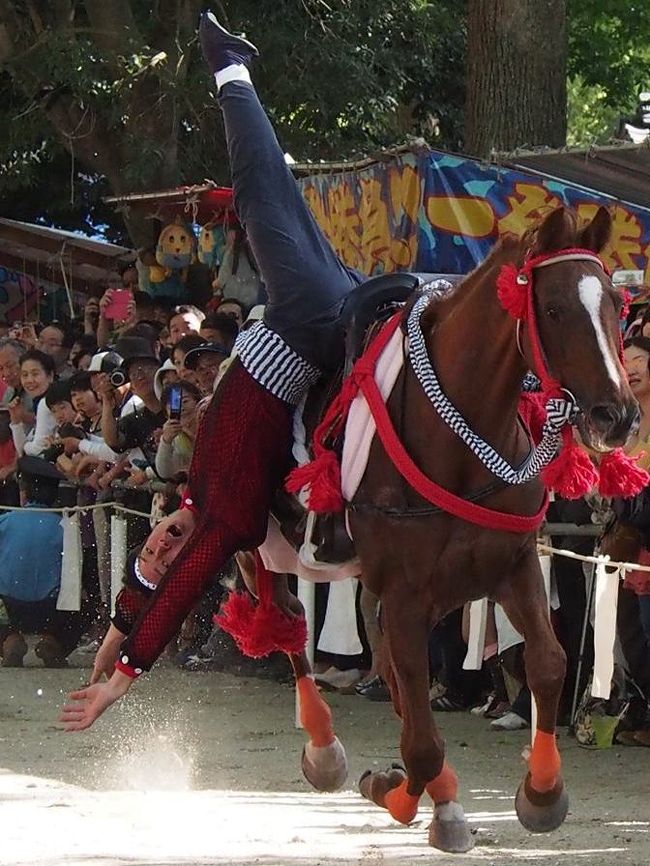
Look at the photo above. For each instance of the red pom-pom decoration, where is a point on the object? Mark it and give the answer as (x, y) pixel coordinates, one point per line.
(572, 474)
(513, 295)
(621, 476)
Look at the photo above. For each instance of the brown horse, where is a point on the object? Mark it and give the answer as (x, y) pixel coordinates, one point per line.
(424, 563)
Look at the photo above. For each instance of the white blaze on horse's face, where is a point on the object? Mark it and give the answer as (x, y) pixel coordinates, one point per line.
(590, 292)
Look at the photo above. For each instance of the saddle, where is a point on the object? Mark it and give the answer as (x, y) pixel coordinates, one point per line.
(365, 309)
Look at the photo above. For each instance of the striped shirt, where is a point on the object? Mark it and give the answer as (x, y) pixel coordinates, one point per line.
(272, 363)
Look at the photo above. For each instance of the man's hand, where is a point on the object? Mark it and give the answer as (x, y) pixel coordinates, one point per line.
(70, 444)
(170, 430)
(104, 301)
(107, 654)
(88, 704)
(104, 387)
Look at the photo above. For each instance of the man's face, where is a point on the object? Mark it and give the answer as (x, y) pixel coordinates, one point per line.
(86, 402)
(50, 341)
(636, 366)
(165, 543)
(141, 375)
(207, 367)
(63, 412)
(233, 311)
(182, 324)
(10, 366)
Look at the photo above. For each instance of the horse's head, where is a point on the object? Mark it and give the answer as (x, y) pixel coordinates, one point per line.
(577, 310)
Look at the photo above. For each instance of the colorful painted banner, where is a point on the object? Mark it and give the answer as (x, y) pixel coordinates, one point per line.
(436, 213)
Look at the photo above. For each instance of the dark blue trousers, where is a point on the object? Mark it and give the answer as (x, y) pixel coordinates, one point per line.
(305, 280)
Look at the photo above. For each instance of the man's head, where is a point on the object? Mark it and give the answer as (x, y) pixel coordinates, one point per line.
(59, 402)
(186, 319)
(38, 480)
(165, 543)
(204, 362)
(55, 340)
(234, 309)
(179, 353)
(636, 355)
(219, 328)
(84, 399)
(11, 352)
(140, 365)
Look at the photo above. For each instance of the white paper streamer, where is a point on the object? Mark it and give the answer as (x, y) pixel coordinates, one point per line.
(339, 634)
(605, 628)
(69, 597)
(476, 641)
(118, 556)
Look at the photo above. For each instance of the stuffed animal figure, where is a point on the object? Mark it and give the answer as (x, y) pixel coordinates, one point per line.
(176, 246)
(212, 243)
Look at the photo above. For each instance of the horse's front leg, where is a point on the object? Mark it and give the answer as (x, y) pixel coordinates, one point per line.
(406, 633)
(541, 802)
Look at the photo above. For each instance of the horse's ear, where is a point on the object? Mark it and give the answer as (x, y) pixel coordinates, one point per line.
(556, 232)
(596, 234)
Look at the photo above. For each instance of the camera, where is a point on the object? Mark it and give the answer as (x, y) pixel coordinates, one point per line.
(118, 378)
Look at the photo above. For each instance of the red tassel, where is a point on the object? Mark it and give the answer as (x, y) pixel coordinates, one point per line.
(572, 474)
(512, 295)
(259, 631)
(620, 475)
(533, 412)
(323, 475)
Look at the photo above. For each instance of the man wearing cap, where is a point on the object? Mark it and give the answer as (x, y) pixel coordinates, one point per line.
(205, 361)
(243, 445)
(136, 429)
(31, 550)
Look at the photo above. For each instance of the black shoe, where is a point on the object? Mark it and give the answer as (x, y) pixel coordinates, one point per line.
(221, 48)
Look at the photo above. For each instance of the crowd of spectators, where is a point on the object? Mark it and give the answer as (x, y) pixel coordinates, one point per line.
(99, 411)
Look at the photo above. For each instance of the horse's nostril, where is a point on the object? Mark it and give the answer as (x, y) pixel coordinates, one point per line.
(605, 416)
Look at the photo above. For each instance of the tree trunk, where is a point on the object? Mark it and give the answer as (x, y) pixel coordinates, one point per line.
(516, 87)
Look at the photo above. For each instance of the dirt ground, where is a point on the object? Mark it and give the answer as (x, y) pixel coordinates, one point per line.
(205, 769)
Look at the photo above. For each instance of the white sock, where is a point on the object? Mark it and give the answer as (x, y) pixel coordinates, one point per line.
(234, 72)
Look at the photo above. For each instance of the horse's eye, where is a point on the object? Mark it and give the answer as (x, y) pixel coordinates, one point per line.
(554, 313)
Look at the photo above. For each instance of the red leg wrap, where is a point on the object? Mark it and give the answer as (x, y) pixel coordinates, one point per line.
(544, 763)
(315, 714)
(444, 788)
(402, 805)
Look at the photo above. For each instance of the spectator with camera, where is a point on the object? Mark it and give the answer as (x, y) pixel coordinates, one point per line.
(176, 445)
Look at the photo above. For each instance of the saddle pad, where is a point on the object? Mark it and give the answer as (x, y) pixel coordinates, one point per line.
(360, 427)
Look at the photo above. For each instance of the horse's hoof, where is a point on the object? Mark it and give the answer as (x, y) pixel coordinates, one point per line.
(374, 785)
(449, 830)
(541, 813)
(325, 767)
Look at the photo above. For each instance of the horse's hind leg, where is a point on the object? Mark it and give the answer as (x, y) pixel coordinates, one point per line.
(541, 801)
(324, 762)
(407, 632)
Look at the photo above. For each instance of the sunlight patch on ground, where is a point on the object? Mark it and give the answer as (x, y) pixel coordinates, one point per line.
(181, 827)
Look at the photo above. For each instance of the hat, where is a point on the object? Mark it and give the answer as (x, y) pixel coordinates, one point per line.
(105, 362)
(192, 358)
(40, 468)
(256, 313)
(135, 349)
(160, 372)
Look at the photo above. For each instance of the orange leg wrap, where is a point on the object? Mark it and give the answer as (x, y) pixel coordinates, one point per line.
(315, 715)
(402, 805)
(544, 763)
(444, 788)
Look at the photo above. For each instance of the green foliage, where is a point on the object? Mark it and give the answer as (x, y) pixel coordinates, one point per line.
(591, 119)
(609, 48)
